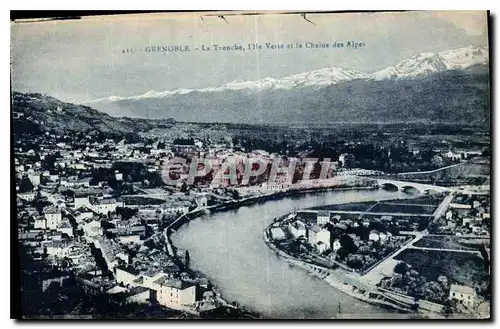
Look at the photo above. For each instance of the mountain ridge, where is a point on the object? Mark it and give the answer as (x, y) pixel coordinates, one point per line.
(416, 66)
(450, 87)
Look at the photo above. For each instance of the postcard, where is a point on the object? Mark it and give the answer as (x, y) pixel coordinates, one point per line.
(252, 165)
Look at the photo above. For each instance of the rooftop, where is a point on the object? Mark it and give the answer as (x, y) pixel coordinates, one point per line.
(462, 289)
(106, 201)
(298, 225)
(151, 272)
(64, 224)
(174, 283)
(161, 280)
(52, 210)
(315, 228)
(136, 290)
(138, 280)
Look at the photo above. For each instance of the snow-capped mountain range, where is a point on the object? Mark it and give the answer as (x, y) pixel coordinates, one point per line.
(417, 66)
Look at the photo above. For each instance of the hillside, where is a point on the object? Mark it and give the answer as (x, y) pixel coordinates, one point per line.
(40, 113)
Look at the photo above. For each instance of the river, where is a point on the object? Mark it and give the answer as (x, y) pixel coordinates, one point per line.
(228, 248)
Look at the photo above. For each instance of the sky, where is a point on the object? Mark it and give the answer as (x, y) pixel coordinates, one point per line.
(83, 60)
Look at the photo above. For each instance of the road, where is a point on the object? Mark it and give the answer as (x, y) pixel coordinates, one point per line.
(441, 209)
(411, 245)
(442, 249)
(431, 171)
(370, 213)
(162, 196)
(379, 266)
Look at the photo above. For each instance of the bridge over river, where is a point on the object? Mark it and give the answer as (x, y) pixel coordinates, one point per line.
(402, 185)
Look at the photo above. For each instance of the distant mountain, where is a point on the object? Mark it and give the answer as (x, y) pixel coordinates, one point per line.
(451, 86)
(448, 87)
(427, 63)
(453, 96)
(318, 78)
(417, 66)
(414, 67)
(463, 58)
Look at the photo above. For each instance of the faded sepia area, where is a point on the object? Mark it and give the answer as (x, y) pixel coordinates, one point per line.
(252, 165)
(90, 64)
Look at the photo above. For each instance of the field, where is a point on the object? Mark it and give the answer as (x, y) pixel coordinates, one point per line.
(442, 242)
(357, 206)
(464, 172)
(451, 242)
(435, 199)
(136, 200)
(306, 216)
(403, 208)
(421, 204)
(423, 207)
(462, 268)
(353, 217)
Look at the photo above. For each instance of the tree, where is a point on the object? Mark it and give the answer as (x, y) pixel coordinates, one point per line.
(25, 185)
(236, 195)
(126, 212)
(50, 159)
(354, 261)
(437, 161)
(394, 230)
(434, 226)
(294, 246)
(68, 193)
(401, 268)
(150, 244)
(342, 254)
(364, 233)
(377, 225)
(65, 263)
(348, 244)
(187, 258)
(447, 309)
(349, 161)
(184, 188)
(443, 280)
(485, 255)
(422, 224)
(364, 250)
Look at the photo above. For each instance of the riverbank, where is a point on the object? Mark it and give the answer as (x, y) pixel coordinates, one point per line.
(235, 204)
(337, 278)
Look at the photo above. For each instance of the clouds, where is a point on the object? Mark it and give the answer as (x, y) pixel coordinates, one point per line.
(83, 59)
(472, 22)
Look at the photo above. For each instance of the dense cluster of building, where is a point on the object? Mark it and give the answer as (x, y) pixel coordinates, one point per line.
(467, 215)
(108, 239)
(340, 238)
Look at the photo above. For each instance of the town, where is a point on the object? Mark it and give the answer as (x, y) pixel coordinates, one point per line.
(95, 211)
